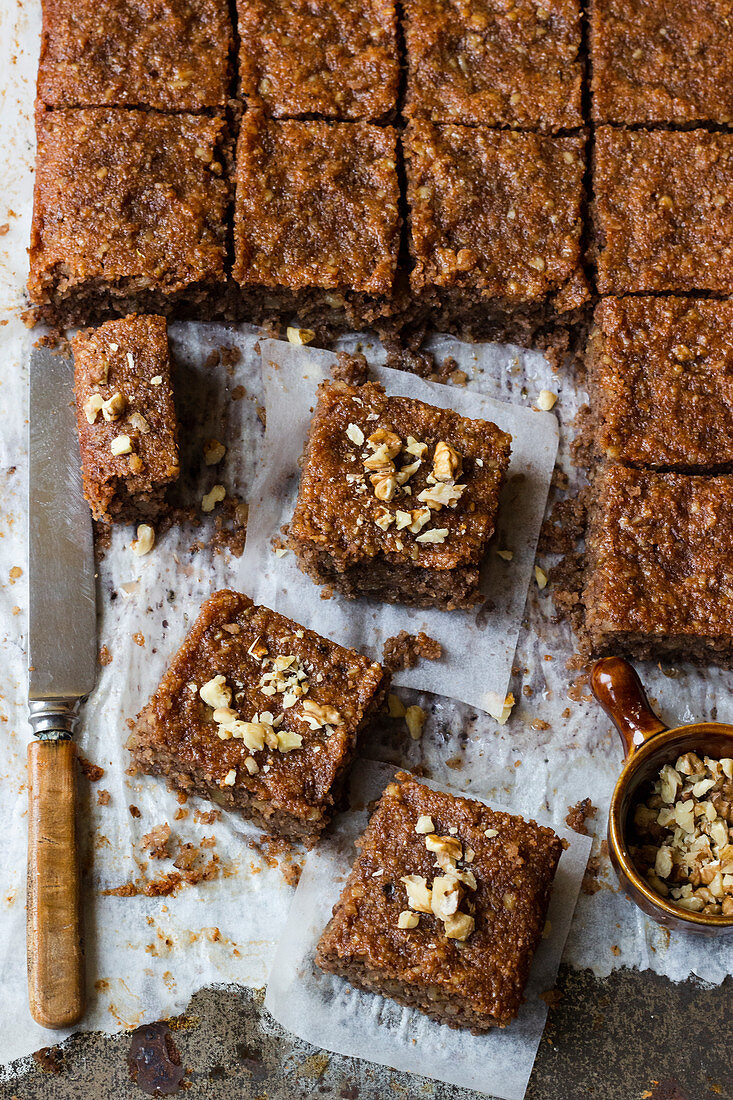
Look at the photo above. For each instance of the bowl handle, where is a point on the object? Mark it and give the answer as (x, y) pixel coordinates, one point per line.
(618, 689)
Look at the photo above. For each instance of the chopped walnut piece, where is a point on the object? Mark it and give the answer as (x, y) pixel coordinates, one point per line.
(407, 919)
(355, 434)
(253, 734)
(300, 336)
(113, 408)
(287, 740)
(499, 710)
(425, 824)
(121, 445)
(385, 440)
(445, 896)
(459, 926)
(435, 535)
(92, 407)
(385, 486)
(215, 692)
(145, 540)
(230, 778)
(415, 718)
(139, 423)
(212, 498)
(446, 462)
(444, 494)
(445, 845)
(419, 895)
(546, 400)
(214, 452)
(395, 706)
(319, 715)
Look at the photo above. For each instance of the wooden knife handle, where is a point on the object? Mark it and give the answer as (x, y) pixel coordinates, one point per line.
(56, 986)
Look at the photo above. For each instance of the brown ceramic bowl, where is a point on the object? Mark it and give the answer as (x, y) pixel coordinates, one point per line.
(649, 744)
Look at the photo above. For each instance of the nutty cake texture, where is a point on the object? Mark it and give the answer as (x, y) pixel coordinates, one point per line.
(398, 499)
(444, 906)
(661, 382)
(126, 419)
(259, 715)
(658, 571)
(168, 55)
(129, 213)
(661, 62)
(316, 220)
(329, 58)
(662, 211)
(486, 62)
(495, 227)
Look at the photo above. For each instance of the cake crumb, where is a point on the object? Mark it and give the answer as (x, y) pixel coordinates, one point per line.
(156, 841)
(349, 368)
(578, 814)
(404, 650)
(103, 798)
(90, 771)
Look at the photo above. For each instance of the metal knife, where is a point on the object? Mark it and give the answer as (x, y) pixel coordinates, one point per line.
(62, 665)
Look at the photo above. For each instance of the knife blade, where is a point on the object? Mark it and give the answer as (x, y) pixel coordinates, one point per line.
(62, 662)
(62, 643)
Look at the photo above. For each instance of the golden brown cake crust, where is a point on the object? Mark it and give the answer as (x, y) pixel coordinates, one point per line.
(327, 58)
(126, 199)
(661, 62)
(125, 359)
(169, 55)
(658, 576)
(483, 61)
(290, 792)
(316, 205)
(662, 211)
(661, 382)
(496, 212)
(477, 982)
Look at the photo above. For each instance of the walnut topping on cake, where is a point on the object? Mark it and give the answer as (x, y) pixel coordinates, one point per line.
(319, 715)
(113, 408)
(121, 445)
(389, 475)
(287, 678)
(215, 693)
(444, 896)
(92, 407)
(446, 462)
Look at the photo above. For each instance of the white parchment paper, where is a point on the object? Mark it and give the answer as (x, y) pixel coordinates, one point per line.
(324, 1010)
(146, 956)
(478, 646)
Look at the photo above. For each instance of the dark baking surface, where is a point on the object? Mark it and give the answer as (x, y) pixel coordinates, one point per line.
(624, 1037)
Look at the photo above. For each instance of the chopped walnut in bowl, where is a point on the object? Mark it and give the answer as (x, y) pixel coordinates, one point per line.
(684, 834)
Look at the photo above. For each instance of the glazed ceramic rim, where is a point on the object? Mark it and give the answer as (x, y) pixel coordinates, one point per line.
(615, 825)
